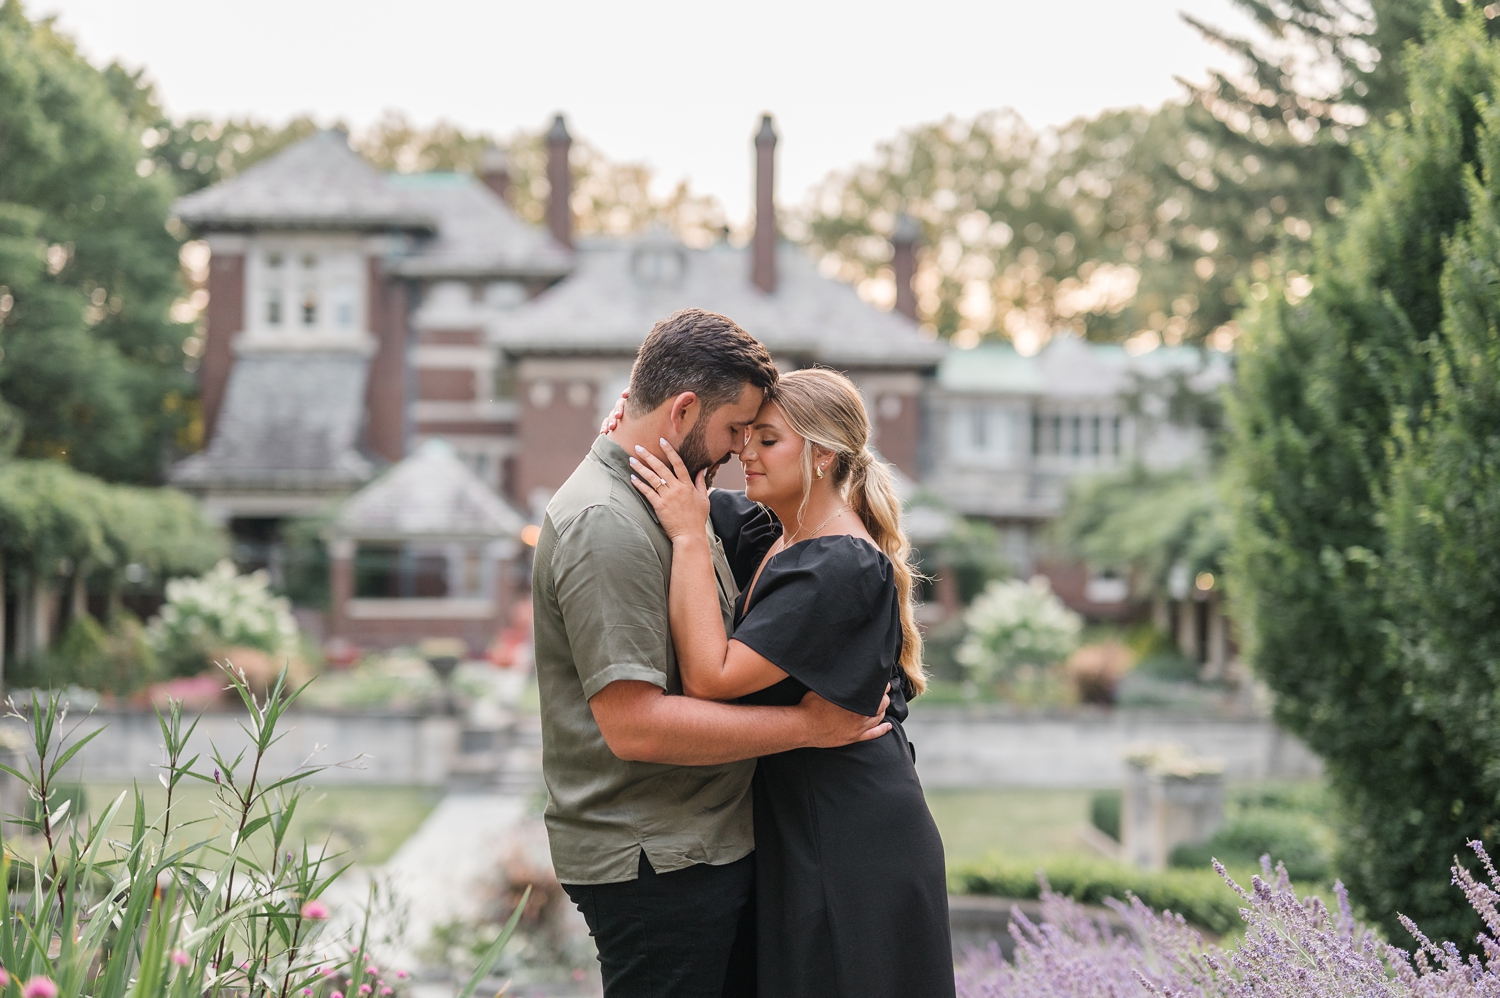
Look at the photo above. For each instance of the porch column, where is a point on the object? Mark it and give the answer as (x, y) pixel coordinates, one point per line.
(341, 577)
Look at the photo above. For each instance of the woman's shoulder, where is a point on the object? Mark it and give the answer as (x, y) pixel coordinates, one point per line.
(836, 556)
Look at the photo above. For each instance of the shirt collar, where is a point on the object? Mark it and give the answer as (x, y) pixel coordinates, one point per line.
(617, 463)
(613, 457)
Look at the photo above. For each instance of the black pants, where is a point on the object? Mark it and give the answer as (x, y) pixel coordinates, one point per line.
(685, 934)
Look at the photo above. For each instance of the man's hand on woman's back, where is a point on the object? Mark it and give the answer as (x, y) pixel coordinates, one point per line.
(831, 726)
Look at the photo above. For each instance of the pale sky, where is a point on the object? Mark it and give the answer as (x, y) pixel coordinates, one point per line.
(679, 84)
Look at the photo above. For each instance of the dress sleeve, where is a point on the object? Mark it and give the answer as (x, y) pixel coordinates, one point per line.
(747, 530)
(826, 613)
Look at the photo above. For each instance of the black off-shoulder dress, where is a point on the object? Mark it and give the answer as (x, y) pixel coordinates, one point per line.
(851, 889)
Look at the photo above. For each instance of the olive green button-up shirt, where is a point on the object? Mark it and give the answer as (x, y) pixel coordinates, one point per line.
(599, 595)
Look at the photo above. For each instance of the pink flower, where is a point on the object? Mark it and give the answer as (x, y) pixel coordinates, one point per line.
(337, 994)
(307, 991)
(315, 911)
(385, 991)
(373, 970)
(327, 971)
(4, 978)
(39, 987)
(401, 974)
(364, 989)
(180, 958)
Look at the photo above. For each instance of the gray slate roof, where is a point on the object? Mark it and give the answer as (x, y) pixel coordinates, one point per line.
(290, 420)
(318, 182)
(430, 494)
(1071, 367)
(620, 288)
(477, 233)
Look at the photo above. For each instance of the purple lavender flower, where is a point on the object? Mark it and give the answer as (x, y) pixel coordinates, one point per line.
(1292, 948)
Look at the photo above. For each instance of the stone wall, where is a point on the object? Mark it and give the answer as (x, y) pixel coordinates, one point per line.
(961, 747)
(378, 748)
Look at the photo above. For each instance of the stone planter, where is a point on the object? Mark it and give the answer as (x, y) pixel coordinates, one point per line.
(1171, 798)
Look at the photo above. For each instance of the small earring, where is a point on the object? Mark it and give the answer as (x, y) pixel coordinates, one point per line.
(820, 472)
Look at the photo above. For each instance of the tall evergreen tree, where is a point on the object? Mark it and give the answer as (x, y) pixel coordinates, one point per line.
(1330, 394)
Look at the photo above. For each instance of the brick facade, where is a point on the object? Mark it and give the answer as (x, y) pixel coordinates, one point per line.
(385, 428)
(559, 420)
(224, 321)
(446, 385)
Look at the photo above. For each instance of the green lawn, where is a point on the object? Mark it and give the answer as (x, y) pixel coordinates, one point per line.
(1019, 824)
(367, 823)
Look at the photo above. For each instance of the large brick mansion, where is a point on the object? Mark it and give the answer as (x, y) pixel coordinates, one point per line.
(354, 317)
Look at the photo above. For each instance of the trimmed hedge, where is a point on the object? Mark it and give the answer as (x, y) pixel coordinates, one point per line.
(1200, 896)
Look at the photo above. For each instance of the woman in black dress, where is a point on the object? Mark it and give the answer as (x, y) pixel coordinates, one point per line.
(851, 889)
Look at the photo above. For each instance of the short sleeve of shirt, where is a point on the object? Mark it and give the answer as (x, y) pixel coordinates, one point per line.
(826, 612)
(608, 580)
(746, 529)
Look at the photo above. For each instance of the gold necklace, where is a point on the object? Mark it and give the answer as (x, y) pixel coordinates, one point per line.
(786, 543)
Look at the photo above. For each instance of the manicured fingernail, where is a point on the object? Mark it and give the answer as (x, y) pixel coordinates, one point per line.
(634, 479)
(662, 441)
(639, 449)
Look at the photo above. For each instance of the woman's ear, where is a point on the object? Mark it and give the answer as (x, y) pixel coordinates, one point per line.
(822, 460)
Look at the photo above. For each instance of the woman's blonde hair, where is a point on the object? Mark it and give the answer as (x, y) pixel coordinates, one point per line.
(824, 408)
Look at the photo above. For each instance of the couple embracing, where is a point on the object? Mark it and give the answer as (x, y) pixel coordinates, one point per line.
(732, 801)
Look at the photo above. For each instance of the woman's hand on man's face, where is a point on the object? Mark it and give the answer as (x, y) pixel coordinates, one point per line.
(681, 503)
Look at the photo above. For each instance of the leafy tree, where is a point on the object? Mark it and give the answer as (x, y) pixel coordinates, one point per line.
(1282, 132)
(51, 515)
(91, 365)
(1339, 508)
(1148, 521)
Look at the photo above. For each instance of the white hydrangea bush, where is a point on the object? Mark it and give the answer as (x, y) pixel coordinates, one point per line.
(220, 609)
(1014, 624)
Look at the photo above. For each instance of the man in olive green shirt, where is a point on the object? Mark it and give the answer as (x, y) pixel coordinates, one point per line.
(649, 810)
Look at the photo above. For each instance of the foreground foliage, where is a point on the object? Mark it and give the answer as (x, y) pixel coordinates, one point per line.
(1364, 552)
(1291, 948)
(170, 909)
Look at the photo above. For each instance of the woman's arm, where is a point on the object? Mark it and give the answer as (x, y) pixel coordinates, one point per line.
(712, 667)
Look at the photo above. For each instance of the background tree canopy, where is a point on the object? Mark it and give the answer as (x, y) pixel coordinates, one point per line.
(90, 361)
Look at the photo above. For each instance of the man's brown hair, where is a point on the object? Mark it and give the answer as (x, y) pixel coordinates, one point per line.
(701, 352)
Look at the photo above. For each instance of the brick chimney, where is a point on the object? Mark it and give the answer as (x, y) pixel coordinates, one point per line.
(559, 213)
(763, 256)
(904, 262)
(494, 170)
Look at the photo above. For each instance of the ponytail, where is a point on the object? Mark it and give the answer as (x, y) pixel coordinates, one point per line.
(825, 408)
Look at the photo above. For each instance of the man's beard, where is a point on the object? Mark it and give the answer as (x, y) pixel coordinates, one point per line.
(694, 452)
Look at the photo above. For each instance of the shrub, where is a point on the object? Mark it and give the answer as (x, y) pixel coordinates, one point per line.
(118, 660)
(1364, 481)
(1095, 670)
(1015, 624)
(1198, 895)
(1104, 812)
(1292, 948)
(221, 609)
(1292, 838)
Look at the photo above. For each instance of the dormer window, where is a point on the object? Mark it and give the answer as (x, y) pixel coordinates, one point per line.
(310, 307)
(273, 308)
(343, 306)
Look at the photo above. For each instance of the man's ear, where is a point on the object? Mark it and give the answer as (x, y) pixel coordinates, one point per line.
(683, 413)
